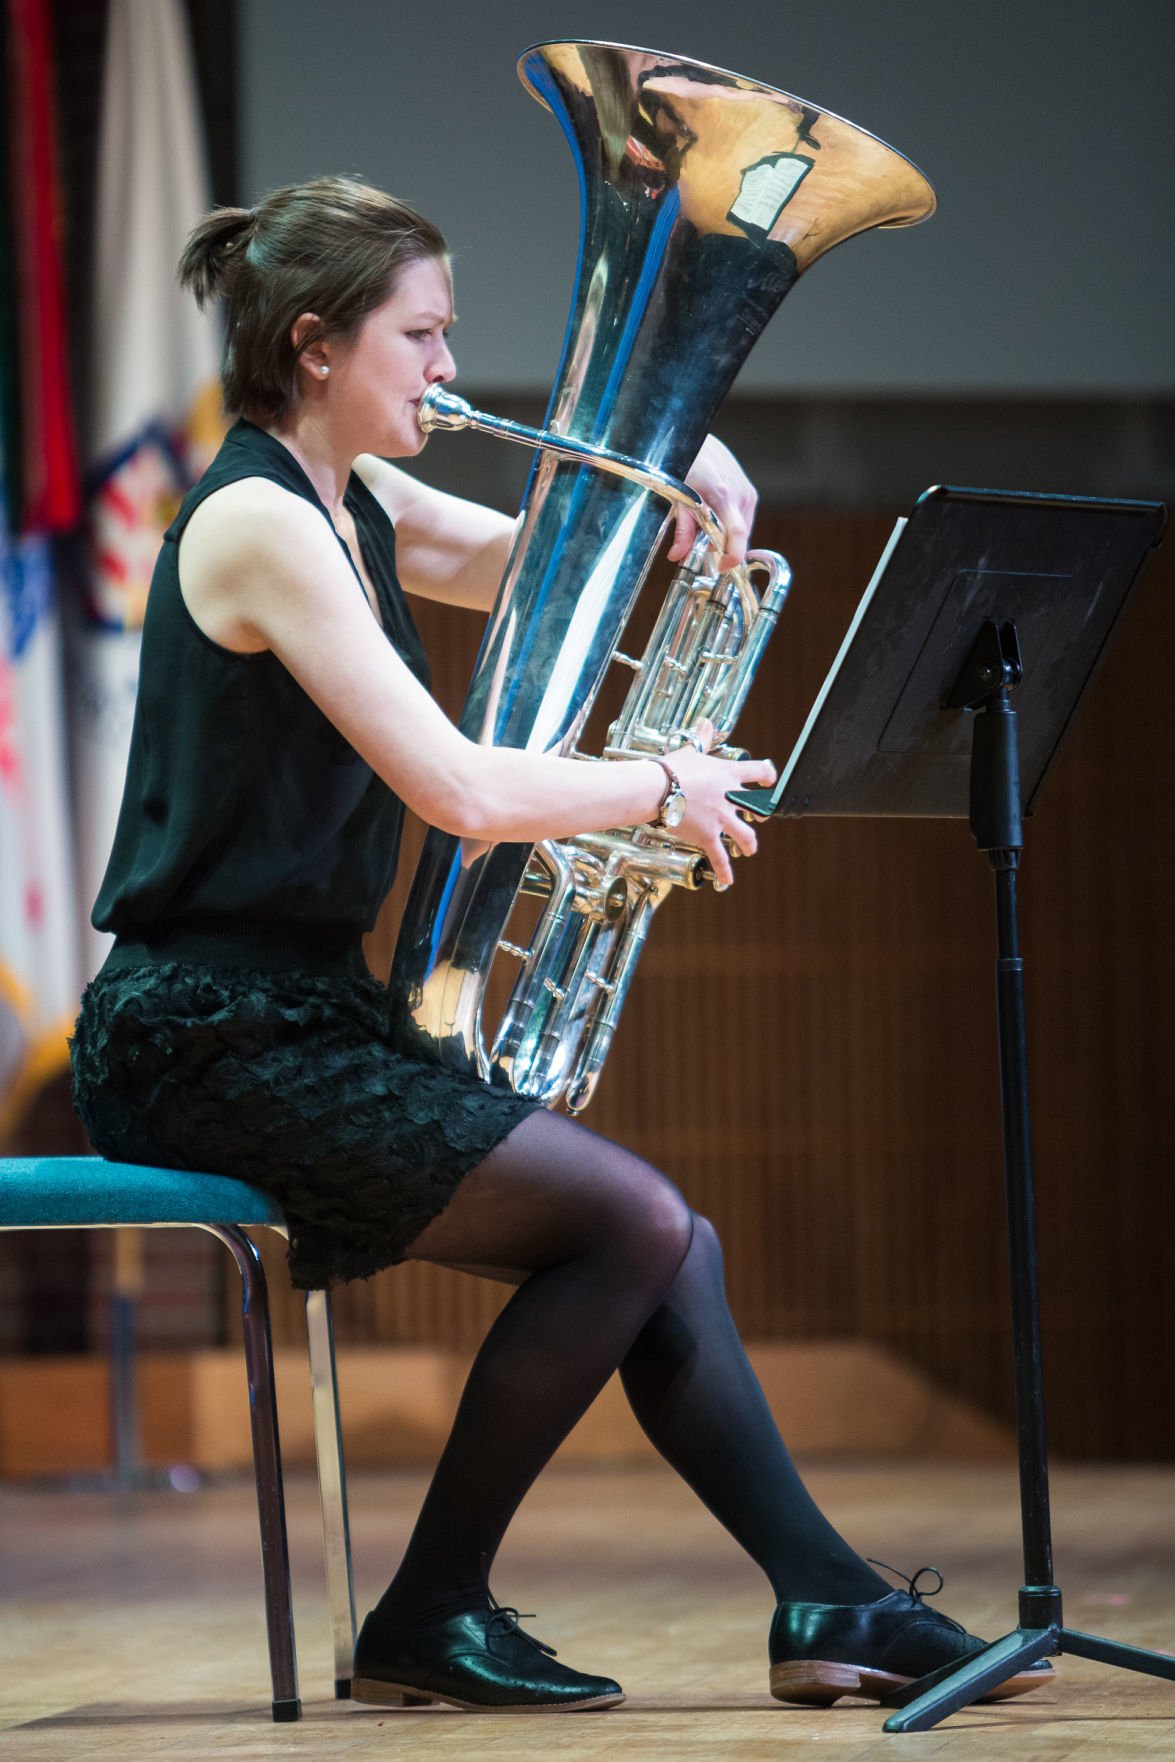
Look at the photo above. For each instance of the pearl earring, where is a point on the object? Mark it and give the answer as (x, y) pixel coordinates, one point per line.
(324, 370)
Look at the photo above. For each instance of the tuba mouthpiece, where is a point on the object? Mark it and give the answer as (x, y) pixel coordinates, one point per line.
(441, 409)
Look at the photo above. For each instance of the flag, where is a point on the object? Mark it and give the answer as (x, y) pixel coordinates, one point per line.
(154, 397)
(38, 498)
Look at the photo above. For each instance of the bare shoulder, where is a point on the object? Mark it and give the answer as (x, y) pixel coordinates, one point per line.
(245, 544)
(253, 515)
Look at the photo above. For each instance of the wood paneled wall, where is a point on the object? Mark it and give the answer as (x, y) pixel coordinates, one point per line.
(812, 1056)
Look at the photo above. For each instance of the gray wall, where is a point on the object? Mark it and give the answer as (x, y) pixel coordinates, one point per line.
(1047, 128)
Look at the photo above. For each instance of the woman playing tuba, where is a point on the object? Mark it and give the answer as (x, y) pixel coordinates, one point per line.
(283, 719)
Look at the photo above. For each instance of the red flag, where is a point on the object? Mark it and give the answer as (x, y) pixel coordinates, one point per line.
(51, 495)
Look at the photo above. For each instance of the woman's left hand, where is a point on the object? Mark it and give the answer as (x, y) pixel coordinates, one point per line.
(721, 482)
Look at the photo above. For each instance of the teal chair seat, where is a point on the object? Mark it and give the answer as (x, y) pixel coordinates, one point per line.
(87, 1192)
(73, 1192)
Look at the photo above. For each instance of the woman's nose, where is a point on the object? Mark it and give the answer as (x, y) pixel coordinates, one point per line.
(443, 367)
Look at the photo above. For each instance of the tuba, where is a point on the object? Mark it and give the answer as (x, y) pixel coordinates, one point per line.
(705, 196)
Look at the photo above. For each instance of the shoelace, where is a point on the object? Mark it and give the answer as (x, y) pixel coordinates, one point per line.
(911, 1585)
(505, 1620)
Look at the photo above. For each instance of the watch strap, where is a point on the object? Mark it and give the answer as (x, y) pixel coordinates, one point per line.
(672, 787)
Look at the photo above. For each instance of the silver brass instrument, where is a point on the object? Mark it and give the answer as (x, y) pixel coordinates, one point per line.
(705, 196)
(601, 889)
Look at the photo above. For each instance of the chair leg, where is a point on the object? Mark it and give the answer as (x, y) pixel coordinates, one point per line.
(267, 1471)
(332, 1487)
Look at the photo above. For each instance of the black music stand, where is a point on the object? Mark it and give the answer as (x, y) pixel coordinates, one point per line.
(980, 594)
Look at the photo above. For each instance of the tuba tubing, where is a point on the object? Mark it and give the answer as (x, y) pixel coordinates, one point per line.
(445, 410)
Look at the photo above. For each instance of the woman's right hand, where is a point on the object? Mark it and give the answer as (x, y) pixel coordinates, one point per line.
(709, 817)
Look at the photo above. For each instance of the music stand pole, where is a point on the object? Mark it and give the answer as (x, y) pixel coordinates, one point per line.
(989, 677)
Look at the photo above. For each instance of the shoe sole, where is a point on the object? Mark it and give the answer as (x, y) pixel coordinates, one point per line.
(814, 1683)
(398, 1694)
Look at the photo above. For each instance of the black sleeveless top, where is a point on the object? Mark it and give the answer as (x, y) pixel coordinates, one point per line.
(245, 811)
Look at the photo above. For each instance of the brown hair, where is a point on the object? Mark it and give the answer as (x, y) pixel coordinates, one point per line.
(332, 246)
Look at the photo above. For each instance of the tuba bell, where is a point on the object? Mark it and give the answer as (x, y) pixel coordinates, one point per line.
(705, 196)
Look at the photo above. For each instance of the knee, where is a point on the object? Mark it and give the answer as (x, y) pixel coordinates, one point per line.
(658, 1228)
(706, 1240)
(706, 1245)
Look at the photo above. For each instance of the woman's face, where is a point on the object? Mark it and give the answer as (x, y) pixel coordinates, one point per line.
(378, 379)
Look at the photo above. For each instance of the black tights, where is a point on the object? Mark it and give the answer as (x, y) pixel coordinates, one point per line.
(614, 1272)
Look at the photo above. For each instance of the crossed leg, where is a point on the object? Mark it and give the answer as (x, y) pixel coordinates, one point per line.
(613, 1272)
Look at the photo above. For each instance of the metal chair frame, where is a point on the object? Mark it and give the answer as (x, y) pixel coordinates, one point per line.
(244, 1205)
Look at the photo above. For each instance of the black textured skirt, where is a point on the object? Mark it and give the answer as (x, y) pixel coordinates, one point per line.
(294, 1081)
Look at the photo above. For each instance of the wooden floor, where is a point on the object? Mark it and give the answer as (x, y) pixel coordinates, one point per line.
(133, 1629)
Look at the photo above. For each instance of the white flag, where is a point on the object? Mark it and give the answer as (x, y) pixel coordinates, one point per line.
(155, 402)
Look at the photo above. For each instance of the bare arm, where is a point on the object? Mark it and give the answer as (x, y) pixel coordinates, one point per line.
(455, 550)
(447, 548)
(261, 570)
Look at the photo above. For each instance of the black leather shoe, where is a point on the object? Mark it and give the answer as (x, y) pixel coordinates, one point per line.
(820, 1651)
(480, 1660)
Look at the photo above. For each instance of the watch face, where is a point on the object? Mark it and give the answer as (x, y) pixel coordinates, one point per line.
(673, 812)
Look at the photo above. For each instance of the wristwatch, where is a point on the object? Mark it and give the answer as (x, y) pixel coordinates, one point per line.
(672, 810)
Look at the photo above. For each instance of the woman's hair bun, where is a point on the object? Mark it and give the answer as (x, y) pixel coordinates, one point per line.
(211, 250)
